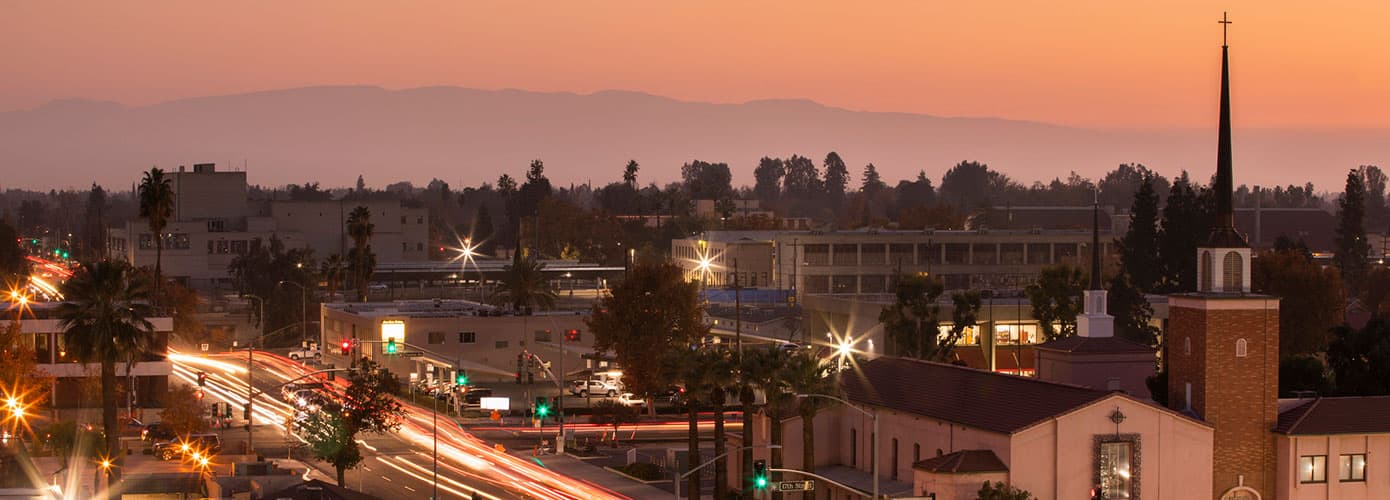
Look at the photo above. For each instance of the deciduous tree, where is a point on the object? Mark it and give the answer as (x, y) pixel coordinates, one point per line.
(650, 313)
(183, 413)
(1312, 298)
(1056, 300)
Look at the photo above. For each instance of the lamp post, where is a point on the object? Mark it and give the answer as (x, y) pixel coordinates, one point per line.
(303, 308)
(874, 416)
(250, 391)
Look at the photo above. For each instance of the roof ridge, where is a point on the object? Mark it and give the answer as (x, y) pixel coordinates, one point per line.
(1309, 411)
(1006, 375)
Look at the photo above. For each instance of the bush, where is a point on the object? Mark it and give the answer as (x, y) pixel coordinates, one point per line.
(643, 470)
(1001, 491)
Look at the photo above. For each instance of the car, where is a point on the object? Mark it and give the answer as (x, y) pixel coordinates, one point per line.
(203, 444)
(628, 399)
(156, 432)
(311, 351)
(474, 396)
(303, 397)
(583, 388)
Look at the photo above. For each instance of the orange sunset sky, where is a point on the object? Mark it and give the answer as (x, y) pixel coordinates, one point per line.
(1082, 63)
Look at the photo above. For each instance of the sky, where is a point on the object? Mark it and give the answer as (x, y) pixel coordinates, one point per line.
(1095, 64)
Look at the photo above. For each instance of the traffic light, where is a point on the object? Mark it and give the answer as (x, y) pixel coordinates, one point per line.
(198, 395)
(332, 375)
(572, 335)
(542, 407)
(760, 474)
(347, 346)
(246, 412)
(202, 379)
(460, 376)
(391, 345)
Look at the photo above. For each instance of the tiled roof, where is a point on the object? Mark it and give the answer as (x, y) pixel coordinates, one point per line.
(966, 396)
(962, 462)
(1346, 415)
(1077, 343)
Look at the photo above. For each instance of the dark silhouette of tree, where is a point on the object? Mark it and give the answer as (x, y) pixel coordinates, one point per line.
(363, 261)
(524, 284)
(707, 181)
(1118, 186)
(1139, 248)
(534, 190)
(630, 174)
(836, 179)
(1187, 219)
(806, 373)
(1056, 300)
(506, 184)
(1131, 310)
(31, 216)
(1360, 358)
(93, 246)
(333, 270)
(871, 182)
(1001, 491)
(483, 231)
(803, 179)
(972, 185)
(367, 405)
(759, 370)
(106, 320)
(910, 322)
(1352, 249)
(914, 193)
(1375, 181)
(1302, 373)
(767, 179)
(14, 268)
(1312, 294)
(650, 313)
(309, 192)
(182, 413)
(361, 184)
(157, 207)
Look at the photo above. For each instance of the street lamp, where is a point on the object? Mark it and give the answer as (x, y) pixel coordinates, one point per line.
(303, 308)
(469, 251)
(872, 415)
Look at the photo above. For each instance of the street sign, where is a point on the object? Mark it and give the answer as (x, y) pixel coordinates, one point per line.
(205, 347)
(410, 354)
(503, 404)
(795, 486)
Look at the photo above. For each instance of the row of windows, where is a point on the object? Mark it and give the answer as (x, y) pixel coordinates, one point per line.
(1350, 467)
(1242, 347)
(463, 337)
(172, 241)
(883, 283)
(921, 254)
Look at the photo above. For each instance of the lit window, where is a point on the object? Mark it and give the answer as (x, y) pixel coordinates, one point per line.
(1312, 469)
(1241, 348)
(1352, 467)
(1115, 463)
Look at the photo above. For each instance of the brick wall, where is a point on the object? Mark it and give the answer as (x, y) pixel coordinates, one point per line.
(1236, 395)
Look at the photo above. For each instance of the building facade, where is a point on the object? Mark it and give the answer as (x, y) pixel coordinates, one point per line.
(149, 377)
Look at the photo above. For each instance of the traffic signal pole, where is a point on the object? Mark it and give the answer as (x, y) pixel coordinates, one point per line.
(681, 477)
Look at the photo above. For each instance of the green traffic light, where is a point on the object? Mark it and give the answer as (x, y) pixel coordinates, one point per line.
(391, 346)
(543, 410)
(461, 380)
(760, 482)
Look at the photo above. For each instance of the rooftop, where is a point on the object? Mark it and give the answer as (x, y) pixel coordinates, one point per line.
(967, 396)
(963, 462)
(1344, 415)
(435, 308)
(1079, 344)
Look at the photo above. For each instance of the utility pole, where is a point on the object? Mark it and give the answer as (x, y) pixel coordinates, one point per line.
(738, 313)
(250, 391)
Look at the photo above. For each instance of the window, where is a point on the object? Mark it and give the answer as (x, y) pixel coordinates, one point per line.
(1352, 467)
(436, 337)
(1187, 345)
(893, 470)
(147, 241)
(845, 254)
(468, 337)
(1312, 469)
(816, 255)
(419, 247)
(1115, 468)
(844, 284)
(916, 452)
(419, 220)
(985, 254)
(873, 254)
(853, 447)
(1206, 269)
(217, 225)
(1231, 272)
(501, 344)
(816, 284)
(957, 253)
(1241, 348)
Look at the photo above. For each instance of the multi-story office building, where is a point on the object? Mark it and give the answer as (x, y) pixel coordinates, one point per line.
(862, 262)
(213, 222)
(42, 331)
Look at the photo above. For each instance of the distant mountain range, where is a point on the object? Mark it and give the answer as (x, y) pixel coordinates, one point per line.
(332, 134)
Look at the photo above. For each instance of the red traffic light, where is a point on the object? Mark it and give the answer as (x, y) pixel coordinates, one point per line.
(572, 335)
(198, 395)
(347, 346)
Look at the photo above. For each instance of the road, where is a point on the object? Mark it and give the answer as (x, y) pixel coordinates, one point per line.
(396, 465)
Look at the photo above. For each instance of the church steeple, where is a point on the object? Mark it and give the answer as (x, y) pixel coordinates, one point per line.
(1224, 261)
(1095, 243)
(1094, 321)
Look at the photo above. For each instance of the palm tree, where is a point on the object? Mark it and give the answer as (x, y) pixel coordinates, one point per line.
(524, 284)
(157, 206)
(363, 261)
(807, 374)
(630, 174)
(758, 370)
(332, 271)
(719, 378)
(106, 319)
(703, 373)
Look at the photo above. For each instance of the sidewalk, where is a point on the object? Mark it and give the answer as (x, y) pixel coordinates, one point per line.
(592, 473)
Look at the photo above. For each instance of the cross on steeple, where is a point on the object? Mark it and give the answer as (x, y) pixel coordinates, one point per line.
(1224, 22)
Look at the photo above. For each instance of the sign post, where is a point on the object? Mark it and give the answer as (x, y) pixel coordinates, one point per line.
(783, 486)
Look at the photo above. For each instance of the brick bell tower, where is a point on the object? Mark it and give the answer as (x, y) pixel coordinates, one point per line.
(1222, 344)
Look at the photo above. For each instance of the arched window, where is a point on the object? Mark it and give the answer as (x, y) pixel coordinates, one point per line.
(1241, 348)
(1205, 285)
(1187, 345)
(1231, 269)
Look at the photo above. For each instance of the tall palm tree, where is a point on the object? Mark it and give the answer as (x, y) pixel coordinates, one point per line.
(157, 207)
(106, 319)
(524, 284)
(332, 271)
(363, 261)
(807, 374)
(703, 373)
(719, 378)
(758, 370)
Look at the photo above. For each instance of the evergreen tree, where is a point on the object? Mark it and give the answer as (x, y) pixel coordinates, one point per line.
(836, 179)
(1186, 223)
(483, 231)
(1352, 248)
(872, 181)
(1132, 312)
(1139, 248)
(767, 179)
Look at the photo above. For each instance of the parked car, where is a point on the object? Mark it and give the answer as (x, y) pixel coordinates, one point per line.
(207, 443)
(583, 388)
(475, 395)
(628, 399)
(310, 352)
